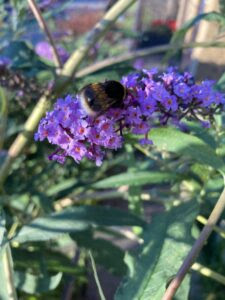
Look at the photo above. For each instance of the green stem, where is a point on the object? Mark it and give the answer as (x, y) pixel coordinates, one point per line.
(217, 229)
(131, 55)
(3, 115)
(21, 140)
(101, 294)
(195, 250)
(208, 273)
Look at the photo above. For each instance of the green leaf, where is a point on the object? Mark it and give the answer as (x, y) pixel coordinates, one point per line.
(7, 291)
(75, 219)
(23, 58)
(179, 35)
(169, 139)
(211, 17)
(214, 184)
(61, 187)
(3, 290)
(33, 284)
(166, 242)
(102, 257)
(202, 133)
(135, 179)
(220, 85)
(2, 227)
(54, 261)
(134, 200)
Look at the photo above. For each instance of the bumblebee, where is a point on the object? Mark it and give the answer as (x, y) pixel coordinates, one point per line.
(97, 98)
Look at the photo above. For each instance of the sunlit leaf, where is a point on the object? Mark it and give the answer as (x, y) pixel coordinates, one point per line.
(54, 261)
(3, 280)
(169, 139)
(220, 85)
(210, 17)
(167, 241)
(179, 35)
(63, 186)
(75, 219)
(33, 284)
(202, 133)
(2, 227)
(6, 266)
(135, 179)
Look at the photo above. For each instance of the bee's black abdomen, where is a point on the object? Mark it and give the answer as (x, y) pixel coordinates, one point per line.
(115, 90)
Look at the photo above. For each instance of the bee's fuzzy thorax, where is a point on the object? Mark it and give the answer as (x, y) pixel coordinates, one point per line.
(97, 98)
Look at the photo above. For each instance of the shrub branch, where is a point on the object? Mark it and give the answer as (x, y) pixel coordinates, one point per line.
(37, 13)
(199, 243)
(134, 54)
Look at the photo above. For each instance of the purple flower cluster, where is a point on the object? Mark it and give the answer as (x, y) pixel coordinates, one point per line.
(44, 50)
(152, 99)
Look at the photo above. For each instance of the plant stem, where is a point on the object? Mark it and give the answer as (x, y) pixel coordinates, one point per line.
(199, 243)
(8, 273)
(21, 140)
(131, 55)
(217, 229)
(69, 70)
(3, 115)
(101, 294)
(37, 13)
(208, 273)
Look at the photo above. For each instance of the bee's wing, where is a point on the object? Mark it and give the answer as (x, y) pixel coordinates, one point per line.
(108, 103)
(102, 101)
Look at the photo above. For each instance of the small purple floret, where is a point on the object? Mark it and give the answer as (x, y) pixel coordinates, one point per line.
(44, 50)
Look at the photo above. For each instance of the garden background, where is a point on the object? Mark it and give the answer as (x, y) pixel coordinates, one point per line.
(121, 230)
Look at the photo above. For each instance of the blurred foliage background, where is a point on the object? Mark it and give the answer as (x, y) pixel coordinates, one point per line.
(140, 212)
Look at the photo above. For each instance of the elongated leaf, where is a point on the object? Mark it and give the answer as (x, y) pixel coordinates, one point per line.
(4, 295)
(2, 227)
(167, 241)
(53, 261)
(179, 35)
(62, 186)
(220, 85)
(33, 284)
(135, 179)
(202, 133)
(211, 17)
(75, 219)
(176, 141)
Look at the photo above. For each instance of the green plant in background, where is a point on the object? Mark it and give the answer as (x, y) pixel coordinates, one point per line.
(53, 215)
